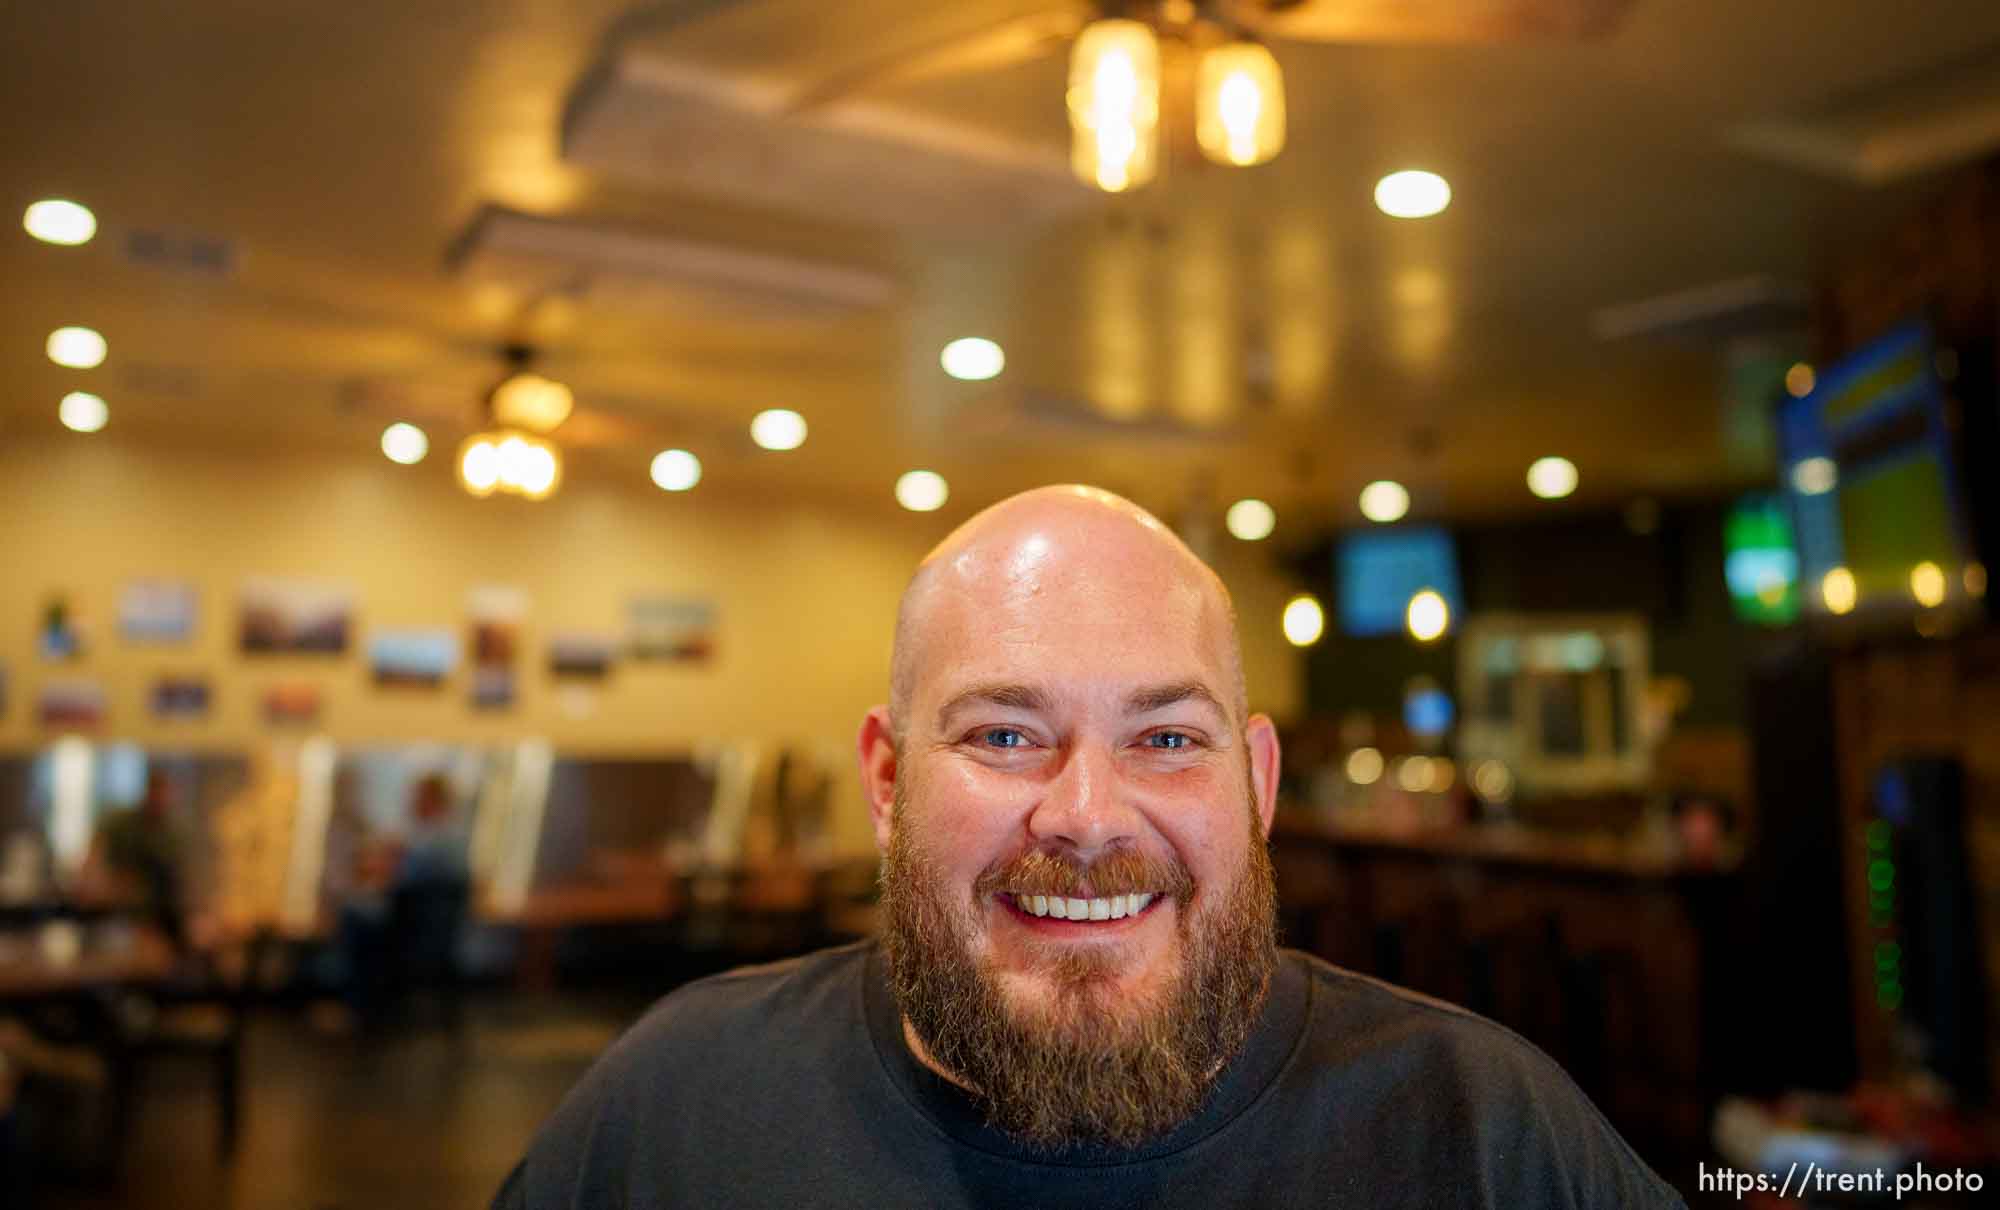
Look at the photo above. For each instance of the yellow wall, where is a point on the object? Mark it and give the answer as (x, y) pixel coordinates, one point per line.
(805, 596)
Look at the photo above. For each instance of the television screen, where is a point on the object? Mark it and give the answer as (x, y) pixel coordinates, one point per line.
(1378, 571)
(1760, 561)
(1875, 487)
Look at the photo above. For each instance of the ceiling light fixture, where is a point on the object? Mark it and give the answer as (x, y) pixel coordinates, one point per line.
(676, 470)
(973, 359)
(778, 429)
(1114, 99)
(1114, 104)
(922, 491)
(1412, 194)
(518, 464)
(1251, 520)
(1552, 478)
(1304, 620)
(529, 401)
(1240, 104)
(1384, 500)
(405, 444)
(83, 412)
(77, 348)
(58, 221)
(1428, 616)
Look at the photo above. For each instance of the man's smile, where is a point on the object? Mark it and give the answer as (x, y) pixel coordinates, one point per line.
(1098, 908)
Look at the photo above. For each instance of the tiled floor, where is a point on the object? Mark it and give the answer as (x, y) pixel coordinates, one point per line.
(424, 1118)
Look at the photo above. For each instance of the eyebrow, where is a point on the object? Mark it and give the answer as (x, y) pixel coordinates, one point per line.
(1033, 699)
(1011, 695)
(1159, 697)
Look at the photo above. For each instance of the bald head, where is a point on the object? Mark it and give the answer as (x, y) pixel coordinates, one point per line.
(1061, 556)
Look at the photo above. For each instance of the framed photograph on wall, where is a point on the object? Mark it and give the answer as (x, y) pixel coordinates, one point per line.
(413, 658)
(179, 697)
(281, 616)
(496, 613)
(671, 629)
(157, 611)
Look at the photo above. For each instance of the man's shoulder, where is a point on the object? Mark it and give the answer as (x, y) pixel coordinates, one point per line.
(739, 1006)
(1356, 1014)
(1442, 1080)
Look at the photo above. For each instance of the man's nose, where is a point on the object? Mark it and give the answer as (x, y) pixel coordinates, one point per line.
(1085, 805)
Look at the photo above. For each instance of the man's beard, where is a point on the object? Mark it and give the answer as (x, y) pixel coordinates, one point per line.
(1087, 1065)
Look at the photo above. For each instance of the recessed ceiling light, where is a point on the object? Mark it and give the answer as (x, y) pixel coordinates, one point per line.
(778, 429)
(922, 491)
(83, 411)
(676, 470)
(1427, 616)
(1412, 194)
(1304, 620)
(77, 348)
(1384, 500)
(405, 444)
(973, 359)
(1815, 476)
(1251, 520)
(56, 221)
(1552, 478)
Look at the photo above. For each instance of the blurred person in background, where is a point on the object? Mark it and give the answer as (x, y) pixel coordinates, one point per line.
(1078, 998)
(387, 912)
(135, 859)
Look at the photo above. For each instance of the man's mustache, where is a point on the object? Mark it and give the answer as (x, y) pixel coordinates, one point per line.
(1055, 872)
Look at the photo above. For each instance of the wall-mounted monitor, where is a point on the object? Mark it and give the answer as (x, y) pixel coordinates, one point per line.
(1377, 571)
(1875, 462)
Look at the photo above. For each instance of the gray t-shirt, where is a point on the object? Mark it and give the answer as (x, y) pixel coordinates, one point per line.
(791, 1085)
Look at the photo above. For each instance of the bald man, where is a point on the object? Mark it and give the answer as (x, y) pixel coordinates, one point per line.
(1077, 999)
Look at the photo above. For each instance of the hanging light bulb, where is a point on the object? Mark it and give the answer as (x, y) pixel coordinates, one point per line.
(479, 465)
(1240, 106)
(1114, 104)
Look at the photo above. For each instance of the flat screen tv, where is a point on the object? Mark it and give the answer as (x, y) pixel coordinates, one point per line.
(1875, 467)
(1377, 571)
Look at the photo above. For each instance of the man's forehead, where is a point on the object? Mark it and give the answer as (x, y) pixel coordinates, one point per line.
(1067, 583)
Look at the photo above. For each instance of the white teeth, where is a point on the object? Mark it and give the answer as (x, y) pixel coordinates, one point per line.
(1115, 907)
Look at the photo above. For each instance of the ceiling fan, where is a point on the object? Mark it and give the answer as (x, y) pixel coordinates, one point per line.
(1115, 59)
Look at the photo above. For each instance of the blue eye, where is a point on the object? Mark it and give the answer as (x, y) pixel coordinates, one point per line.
(1172, 740)
(1003, 737)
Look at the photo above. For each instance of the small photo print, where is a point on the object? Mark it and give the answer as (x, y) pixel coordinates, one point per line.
(180, 697)
(416, 658)
(292, 704)
(580, 655)
(496, 613)
(675, 629)
(157, 611)
(76, 705)
(295, 616)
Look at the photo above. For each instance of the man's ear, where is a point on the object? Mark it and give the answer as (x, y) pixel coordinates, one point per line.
(876, 749)
(1262, 736)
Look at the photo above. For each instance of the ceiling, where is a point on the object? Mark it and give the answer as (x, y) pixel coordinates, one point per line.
(1221, 333)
